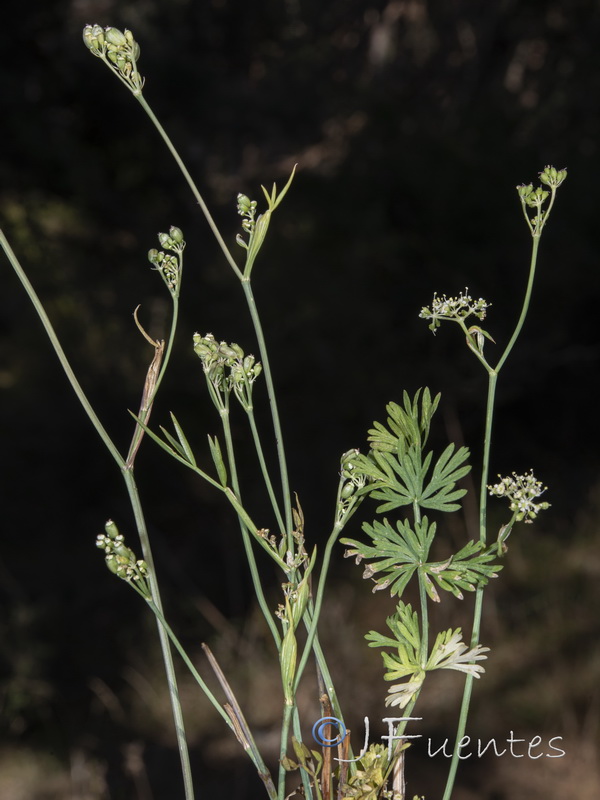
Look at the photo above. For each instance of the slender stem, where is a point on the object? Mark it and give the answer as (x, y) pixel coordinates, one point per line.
(487, 449)
(191, 184)
(187, 661)
(489, 417)
(132, 490)
(312, 629)
(322, 664)
(256, 582)
(312, 613)
(170, 342)
(135, 503)
(466, 701)
(477, 611)
(285, 486)
(251, 747)
(41, 312)
(424, 650)
(288, 711)
(265, 471)
(526, 301)
(303, 775)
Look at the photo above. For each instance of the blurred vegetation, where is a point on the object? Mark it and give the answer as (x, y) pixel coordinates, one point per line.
(411, 122)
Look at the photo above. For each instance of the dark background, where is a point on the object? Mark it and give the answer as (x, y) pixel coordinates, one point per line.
(411, 123)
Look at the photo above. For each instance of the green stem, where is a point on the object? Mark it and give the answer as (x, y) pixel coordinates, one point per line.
(477, 611)
(303, 774)
(256, 582)
(265, 471)
(264, 357)
(142, 530)
(466, 701)
(285, 729)
(424, 650)
(489, 417)
(187, 661)
(251, 303)
(50, 332)
(312, 628)
(135, 502)
(526, 301)
(191, 184)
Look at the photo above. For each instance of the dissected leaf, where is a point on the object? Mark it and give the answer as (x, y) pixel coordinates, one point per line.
(397, 552)
(401, 479)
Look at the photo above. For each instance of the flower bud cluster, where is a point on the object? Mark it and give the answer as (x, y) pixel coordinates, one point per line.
(521, 491)
(453, 308)
(353, 480)
(121, 560)
(247, 210)
(118, 49)
(535, 198)
(553, 177)
(226, 367)
(169, 266)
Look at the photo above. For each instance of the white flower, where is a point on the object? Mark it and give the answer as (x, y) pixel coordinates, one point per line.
(521, 491)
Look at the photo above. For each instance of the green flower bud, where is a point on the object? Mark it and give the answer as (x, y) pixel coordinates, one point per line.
(243, 204)
(88, 37)
(233, 351)
(93, 37)
(176, 234)
(524, 191)
(112, 564)
(299, 607)
(115, 36)
(111, 529)
(126, 556)
(347, 463)
(348, 490)
(288, 655)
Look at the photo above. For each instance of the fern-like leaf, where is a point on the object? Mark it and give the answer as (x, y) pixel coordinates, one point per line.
(397, 553)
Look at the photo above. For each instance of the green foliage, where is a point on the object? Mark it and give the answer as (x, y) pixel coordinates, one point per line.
(397, 469)
(368, 782)
(181, 444)
(407, 425)
(404, 625)
(402, 551)
(401, 479)
(408, 661)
